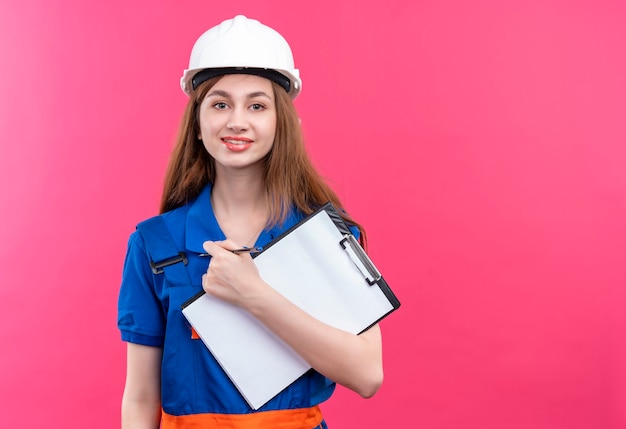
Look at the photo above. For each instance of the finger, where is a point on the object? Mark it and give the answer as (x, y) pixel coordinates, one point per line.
(212, 247)
(208, 285)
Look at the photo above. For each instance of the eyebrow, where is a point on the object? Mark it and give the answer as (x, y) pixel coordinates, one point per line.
(221, 93)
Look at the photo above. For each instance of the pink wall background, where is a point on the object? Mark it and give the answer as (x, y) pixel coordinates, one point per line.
(482, 144)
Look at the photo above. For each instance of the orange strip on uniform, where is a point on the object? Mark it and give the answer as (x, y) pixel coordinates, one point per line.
(301, 418)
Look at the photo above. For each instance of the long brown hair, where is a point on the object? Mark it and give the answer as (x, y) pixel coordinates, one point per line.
(290, 177)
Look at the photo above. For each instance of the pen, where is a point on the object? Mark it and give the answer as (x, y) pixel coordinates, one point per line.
(238, 251)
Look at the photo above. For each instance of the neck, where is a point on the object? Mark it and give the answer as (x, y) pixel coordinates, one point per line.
(240, 206)
(238, 193)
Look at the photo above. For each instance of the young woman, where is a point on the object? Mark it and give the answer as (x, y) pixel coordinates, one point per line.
(239, 176)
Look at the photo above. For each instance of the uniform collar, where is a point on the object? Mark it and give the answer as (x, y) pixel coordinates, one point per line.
(202, 224)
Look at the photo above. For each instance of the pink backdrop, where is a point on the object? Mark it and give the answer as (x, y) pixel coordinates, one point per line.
(481, 143)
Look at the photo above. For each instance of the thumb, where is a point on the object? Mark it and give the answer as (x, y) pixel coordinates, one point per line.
(213, 247)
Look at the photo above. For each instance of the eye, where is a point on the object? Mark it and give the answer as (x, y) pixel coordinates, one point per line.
(220, 105)
(257, 106)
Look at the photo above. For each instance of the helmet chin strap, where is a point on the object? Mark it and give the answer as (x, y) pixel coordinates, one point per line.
(272, 75)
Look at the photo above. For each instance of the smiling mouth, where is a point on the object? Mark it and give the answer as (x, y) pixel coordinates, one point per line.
(237, 144)
(236, 141)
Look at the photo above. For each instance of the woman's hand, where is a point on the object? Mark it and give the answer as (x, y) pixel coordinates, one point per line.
(233, 278)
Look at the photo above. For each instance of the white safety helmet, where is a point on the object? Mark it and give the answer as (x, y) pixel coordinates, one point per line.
(242, 46)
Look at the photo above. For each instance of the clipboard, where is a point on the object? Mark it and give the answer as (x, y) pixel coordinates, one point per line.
(320, 267)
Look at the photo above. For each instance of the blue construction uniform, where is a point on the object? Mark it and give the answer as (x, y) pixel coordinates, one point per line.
(149, 313)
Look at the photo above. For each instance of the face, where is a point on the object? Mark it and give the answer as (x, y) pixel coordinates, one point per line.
(238, 122)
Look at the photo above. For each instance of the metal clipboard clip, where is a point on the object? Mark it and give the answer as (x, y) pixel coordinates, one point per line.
(360, 259)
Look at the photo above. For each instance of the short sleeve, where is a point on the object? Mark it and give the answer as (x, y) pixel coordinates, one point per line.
(141, 317)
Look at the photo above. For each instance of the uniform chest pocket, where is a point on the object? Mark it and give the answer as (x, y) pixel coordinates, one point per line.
(185, 285)
(182, 282)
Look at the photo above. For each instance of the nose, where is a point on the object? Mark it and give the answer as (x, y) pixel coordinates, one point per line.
(237, 121)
